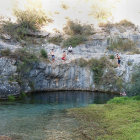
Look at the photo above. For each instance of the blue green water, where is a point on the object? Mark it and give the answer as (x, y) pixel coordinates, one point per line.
(42, 116)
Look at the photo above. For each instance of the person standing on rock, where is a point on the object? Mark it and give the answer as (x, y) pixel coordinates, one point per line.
(119, 60)
(64, 56)
(53, 57)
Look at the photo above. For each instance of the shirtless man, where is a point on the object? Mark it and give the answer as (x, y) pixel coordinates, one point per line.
(119, 60)
(64, 56)
(53, 57)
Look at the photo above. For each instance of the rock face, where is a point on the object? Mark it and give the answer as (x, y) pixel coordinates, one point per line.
(61, 77)
(4, 45)
(7, 69)
(68, 76)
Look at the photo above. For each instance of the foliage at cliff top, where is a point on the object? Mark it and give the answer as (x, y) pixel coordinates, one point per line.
(77, 31)
(32, 17)
(124, 23)
(77, 28)
(118, 119)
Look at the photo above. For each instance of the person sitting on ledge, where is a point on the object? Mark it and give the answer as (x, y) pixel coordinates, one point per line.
(70, 49)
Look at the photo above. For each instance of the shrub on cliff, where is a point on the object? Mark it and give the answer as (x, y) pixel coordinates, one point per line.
(76, 28)
(74, 40)
(133, 88)
(111, 56)
(125, 23)
(5, 52)
(32, 17)
(44, 53)
(103, 73)
(56, 40)
(77, 31)
(119, 44)
(11, 98)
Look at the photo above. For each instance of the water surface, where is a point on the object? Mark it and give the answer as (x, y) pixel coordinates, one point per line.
(42, 116)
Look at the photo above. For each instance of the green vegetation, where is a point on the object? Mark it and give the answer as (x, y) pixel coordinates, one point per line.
(11, 78)
(111, 56)
(120, 25)
(44, 53)
(125, 23)
(116, 120)
(107, 25)
(119, 44)
(100, 77)
(5, 52)
(133, 88)
(74, 40)
(97, 66)
(76, 28)
(77, 31)
(26, 60)
(55, 40)
(31, 18)
(22, 95)
(129, 63)
(82, 62)
(11, 98)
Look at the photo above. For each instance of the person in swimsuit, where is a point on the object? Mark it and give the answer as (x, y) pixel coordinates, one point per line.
(124, 94)
(119, 60)
(64, 56)
(53, 57)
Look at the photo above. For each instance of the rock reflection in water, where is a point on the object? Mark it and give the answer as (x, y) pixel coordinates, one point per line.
(80, 97)
(41, 116)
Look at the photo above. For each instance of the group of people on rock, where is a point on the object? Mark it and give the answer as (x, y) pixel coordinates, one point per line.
(63, 56)
(71, 51)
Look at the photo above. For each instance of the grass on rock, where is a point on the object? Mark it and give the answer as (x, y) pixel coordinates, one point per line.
(116, 120)
(123, 45)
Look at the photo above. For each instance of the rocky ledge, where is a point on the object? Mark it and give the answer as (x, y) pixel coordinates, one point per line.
(59, 76)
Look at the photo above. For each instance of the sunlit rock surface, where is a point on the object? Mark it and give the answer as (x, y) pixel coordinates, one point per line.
(65, 76)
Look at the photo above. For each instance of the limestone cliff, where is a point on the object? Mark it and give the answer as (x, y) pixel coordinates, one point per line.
(64, 76)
